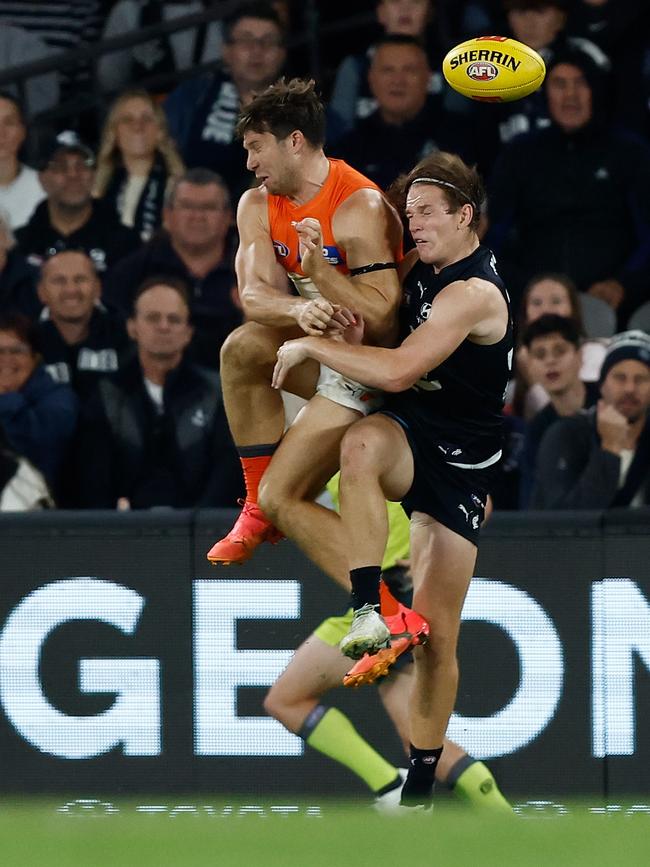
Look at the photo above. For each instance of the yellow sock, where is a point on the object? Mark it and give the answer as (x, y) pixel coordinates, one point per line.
(335, 736)
(477, 785)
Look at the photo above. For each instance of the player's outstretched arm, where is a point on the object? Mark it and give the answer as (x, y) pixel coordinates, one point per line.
(368, 229)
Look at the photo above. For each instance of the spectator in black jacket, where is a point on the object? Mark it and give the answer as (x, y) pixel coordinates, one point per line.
(69, 219)
(17, 277)
(156, 434)
(197, 247)
(575, 197)
(601, 458)
(79, 339)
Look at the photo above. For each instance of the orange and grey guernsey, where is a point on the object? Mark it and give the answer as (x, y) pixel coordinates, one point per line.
(339, 185)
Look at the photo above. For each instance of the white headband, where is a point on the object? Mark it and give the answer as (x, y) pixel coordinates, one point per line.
(442, 183)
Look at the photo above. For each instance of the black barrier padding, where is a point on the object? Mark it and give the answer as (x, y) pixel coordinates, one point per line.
(555, 559)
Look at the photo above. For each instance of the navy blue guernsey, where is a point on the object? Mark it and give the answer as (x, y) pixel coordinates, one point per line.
(457, 406)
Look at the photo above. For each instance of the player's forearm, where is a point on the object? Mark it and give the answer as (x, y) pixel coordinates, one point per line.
(371, 365)
(270, 307)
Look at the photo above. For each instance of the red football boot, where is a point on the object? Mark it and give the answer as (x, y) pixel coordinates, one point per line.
(407, 629)
(249, 531)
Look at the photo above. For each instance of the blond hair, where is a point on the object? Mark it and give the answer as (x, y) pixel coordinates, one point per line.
(108, 158)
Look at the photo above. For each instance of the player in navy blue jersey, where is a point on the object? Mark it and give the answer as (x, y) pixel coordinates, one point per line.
(434, 445)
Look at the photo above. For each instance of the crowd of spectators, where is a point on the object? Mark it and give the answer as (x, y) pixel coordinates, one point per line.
(117, 236)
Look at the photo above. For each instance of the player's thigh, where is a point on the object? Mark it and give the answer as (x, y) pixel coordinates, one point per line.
(442, 564)
(315, 668)
(377, 446)
(308, 455)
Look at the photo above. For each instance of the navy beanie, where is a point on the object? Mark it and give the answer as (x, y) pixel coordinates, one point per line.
(633, 345)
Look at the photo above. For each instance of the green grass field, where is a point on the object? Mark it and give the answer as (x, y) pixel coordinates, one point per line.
(35, 833)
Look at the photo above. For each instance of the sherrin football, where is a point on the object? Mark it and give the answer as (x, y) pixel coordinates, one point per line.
(493, 69)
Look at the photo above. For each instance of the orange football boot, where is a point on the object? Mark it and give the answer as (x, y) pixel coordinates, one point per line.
(407, 629)
(249, 531)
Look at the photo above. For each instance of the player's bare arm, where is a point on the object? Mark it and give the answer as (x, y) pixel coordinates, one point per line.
(473, 309)
(263, 282)
(369, 231)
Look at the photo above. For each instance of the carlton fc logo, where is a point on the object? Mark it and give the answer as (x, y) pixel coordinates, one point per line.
(482, 70)
(281, 249)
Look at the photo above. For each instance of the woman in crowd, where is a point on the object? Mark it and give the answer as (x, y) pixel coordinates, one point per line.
(136, 159)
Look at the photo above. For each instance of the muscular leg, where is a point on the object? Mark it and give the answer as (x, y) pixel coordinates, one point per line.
(442, 563)
(254, 409)
(306, 459)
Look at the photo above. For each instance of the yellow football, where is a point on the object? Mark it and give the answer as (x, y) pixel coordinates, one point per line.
(493, 69)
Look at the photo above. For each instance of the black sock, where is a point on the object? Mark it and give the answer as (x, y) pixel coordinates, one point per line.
(365, 586)
(418, 786)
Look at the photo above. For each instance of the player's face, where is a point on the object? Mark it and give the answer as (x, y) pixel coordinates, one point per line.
(569, 97)
(398, 78)
(406, 17)
(160, 324)
(547, 296)
(536, 27)
(269, 159)
(432, 223)
(627, 388)
(554, 362)
(69, 287)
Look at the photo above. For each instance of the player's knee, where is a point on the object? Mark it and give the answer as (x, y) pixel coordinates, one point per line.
(270, 500)
(248, 346)
(360, 450)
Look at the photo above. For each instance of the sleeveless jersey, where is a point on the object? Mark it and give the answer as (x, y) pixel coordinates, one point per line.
(341, 182)
(457, 407)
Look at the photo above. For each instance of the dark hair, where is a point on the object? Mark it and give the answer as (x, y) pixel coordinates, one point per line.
(565, 281)
(400, 39)
(460, 183)
(22, 325)
(537, 5)
(18, 105)
(170, 280)
(550, 323)
(283, 108)
(259, 9)
(198, 176)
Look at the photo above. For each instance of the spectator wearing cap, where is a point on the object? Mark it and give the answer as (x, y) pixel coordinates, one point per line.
(79, 339)
(600, 458)
(575, 197)
(196, 245)
(69, 218)
(20, 187)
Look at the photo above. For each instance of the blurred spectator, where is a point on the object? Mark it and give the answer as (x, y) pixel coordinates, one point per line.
(157, 434)
(20, 187)
(609, 24)
(136, 159)
(22, 487)
(575, 197)
(17, 48)
(62, 26)
(554, 361)
(408, 123)
(79, 339)
(68, 218)
(601, 458)
(171, 52)
(37, 415)
(17, 277)
(197, 246)
(202, 112)
(352, 99)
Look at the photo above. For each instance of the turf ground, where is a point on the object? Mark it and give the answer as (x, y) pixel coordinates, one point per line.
(212, 831)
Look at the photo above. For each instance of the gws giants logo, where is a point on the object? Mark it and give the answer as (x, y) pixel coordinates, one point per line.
(280, 248)
(482, 70)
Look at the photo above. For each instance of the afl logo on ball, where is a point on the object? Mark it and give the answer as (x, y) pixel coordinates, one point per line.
(482, 71)
(280, 248)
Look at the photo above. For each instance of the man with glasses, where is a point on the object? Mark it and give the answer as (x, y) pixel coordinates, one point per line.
(156, 434)
(197, 246)
(69, 218)
(202, 112)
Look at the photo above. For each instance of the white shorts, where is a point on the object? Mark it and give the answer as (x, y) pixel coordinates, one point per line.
(346, 392)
